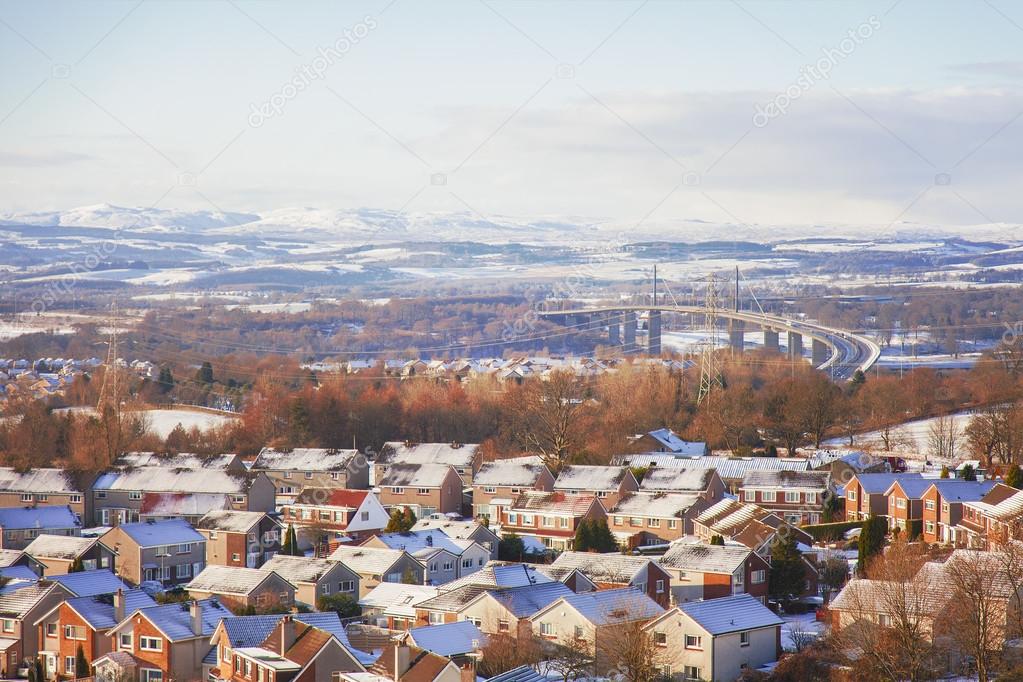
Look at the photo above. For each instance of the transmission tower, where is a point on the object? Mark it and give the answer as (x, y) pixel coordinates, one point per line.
(108, 391)
(710, 373)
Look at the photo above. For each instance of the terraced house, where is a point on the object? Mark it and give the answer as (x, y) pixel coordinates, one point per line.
(552, 518)
(46, 488)
(609, 484)
(240, 538)
(291, 471)
(796, 496)
(466, 458)
(424, 488)
(170, 552)
(499, 482)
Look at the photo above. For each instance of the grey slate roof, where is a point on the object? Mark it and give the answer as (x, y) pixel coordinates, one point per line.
(229, 520)
(90, 583)
(228, 579)
(523, 673)
(416, 541)
(615, 567)
(453, 600)
(790, 480)
(304, 459)
(299, 569)
(876, 484)
(958, 490)
(98, 610)
(449, 639)
(500, 574)
(676, 479)
(607, 607)
(731, 614)
(367, 560)
(59, 547)
(175, 620)
(166, 480)
(166, 532)
(705, 558)
(658, 505)
(10, 556)
(460, 455)
(17, 598)
(526, 600)
(729, 468)
(38, 481)
(251, 631)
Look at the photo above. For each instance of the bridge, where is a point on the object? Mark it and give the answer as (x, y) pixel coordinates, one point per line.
(836, 351)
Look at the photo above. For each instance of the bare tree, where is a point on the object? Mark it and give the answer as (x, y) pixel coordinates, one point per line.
(630, 651)
(944, 438)
(545, 417)
(571, 656)
(503, 653)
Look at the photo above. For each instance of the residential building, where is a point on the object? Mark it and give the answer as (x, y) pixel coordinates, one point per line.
(865, 494)
(732, 470)
(239, 538)
(745, 524)
(393, 605)
(995, 516)
(466, 458)
(315, 578)
(240, 588)
(607, 483)
(57, 554)
(700, 571)
(552, 518)
(293, 470)
(11, 559)
(905, 502)
(943, 506)
(375, 566)
(188, 506)
(182, 460)
(499, 482)
(607, 571)
(644, 519)
(22, 603)
(424, 488)
(118, 494)
(406, 663)
(89, 583)
(19, 526)
(717, 640)
(666, 441)
(796, 496)
(83, 622)
(589, 619)
(704, 482)
(507, 611)
(162, 643)
(462, 642)
(171, 552)
(445, 558)
(44, 487)
(336, 513)
(501, 574)
(462, 530)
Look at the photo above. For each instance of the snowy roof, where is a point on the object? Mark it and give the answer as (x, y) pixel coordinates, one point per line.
(956, 490)
(175, 620)
(416, 541)
(18, 573)
(675, 479)
(98, 610)
(611, 568)
(38, 517)
(523, 673)
(516, 472)
(183, 460)
(18, 598)
(1006, 508)
(90, 583)
(585, 477)
(367, 560)
(451, 454)
(500, 574)
(729, 468)
(38, 481)
(154, 533)
(59, 547)
(230, 521)
(404, 475)
(453, 600)
(10, 556)
(164, 480)
(705, 558)
(607, 607)
(862, 595)
(788, 480)
(673, 443)
(182, 504)
(526, 600)
(457, 529)
(228, 579)
(731, 614)
(875, 484)
(449, 639)
(300, 569)
(553, 503)
(659, 505)
(397, 598)
(304, 459)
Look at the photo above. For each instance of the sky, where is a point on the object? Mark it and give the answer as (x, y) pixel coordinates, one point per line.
(750, 111)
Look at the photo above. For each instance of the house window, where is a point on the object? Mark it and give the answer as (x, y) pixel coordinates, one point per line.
(100, 495)
(513, 517)
(811, 498)
(287, 474)
(51, 629)
(184, 549)
(398, 491)
(758, 577)
(8, 626)
(660, 639)
(929, 527)
(672, 524)
(578, 632)
(618, 520)
(475, 621)
(851, 495)
(238, 499)
(548, 522)
(124, 641)
(502, 626)
(150, 644)
(235, 556)
(436, 618)
(744, 638)
(601, 493)
(792, 497)
(653, 523)
(69, 665)
(636, 522)
(364, 516)
(563, 522)
(260, 674)
(308, 475)
(767, 496)
(448, 565)
(152, 675)
(490, 490)
(659, 586)
(694, 642)
(70, 631)
(346, 586)
(548, 629)
(135, 495)
(527, 519)
(184, 570)
(691, 672)
(884, 620)
(422, 491)
(75, 499)
(900, 503)
(466, 563)
(929, 505)
(26, 498)
(248, 667)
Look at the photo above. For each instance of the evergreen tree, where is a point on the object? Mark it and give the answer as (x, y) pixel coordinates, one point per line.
(717, 540)
(165, 380)
(394, 523)
(81, 665)
(787, 577)
(602, 537)
(858, 379)
(290, 546)
(968, 473)
(1014, 477)
(584, 536)
(408, 519)
(76, 566)
(298, 422)
(511, 548)
(944, 471)
(205, 374)
(872, 535)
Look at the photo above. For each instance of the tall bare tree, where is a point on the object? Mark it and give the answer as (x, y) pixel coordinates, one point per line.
(944, 438)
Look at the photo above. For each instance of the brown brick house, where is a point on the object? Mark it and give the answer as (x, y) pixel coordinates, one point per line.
(57, 554)
(239, 588)
(505, 479)
(647, 518)
(701, 571)
(425, 488)
(552, 518)
(795, 496)
(943, 506)
(466, 458)
(865, 494)
(608, 571)
(609, 484)
(239, 538)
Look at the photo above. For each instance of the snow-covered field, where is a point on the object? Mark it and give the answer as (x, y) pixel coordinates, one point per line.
(162, 422)
(910, 437)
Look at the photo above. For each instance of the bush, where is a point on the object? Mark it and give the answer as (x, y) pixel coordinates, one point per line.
(830, 532)
(343, 604)
(915, 529)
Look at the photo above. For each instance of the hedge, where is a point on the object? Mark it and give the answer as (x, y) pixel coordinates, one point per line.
(824, 532)
(916, 528)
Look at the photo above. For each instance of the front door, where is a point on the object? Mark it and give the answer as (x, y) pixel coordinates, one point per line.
(51, 665)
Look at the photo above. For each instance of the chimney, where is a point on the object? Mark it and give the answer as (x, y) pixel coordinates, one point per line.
(195, 610)
(402, 659)
(287, 634)
(119, 605)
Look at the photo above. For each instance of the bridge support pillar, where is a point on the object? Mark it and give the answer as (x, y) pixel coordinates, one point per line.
(629, 330)
(654, 333)
(771, 340)
(736, 334)
(795, 345)
(819, 352)
(613, 329)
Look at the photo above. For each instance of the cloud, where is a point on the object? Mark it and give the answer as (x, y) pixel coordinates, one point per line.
(1012, 70)
(41, 159)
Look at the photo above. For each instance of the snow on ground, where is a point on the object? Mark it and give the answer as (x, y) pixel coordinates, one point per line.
(910, 437)
(800, 626)
(162, 422)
